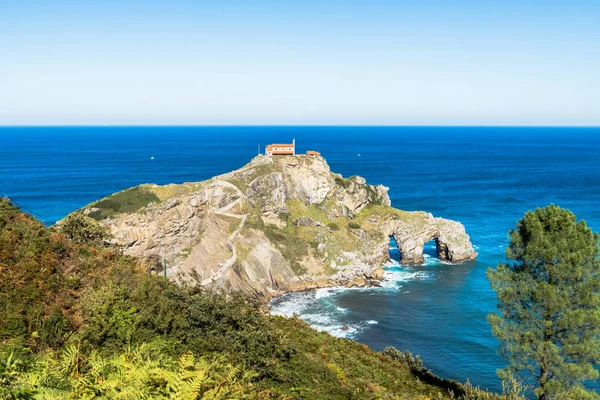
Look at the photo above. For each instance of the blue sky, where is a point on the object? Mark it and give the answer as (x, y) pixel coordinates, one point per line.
(306, 62)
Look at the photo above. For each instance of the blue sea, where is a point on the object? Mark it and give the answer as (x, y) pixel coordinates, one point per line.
(484, 177)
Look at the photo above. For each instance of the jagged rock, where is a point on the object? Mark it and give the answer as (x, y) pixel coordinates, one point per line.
(377, 274)
(359, 232)
(304, 221)
(353, 194)
(231, 232)
(268, 192)
(358, 282)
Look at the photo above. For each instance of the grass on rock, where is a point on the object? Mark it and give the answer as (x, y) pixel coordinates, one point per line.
(126, 201)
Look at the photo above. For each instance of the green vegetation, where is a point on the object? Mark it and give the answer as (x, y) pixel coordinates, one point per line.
(186, 251)
(376, 211)
(126, 201)
(243, 179)
(262, 170)
(167, 192)
(343, 182)
(299, 240)
(371, 191)
(333, 226)
(284, 239)
(512, 389)
(549, 299)
(42, 277)
(83, 230)
(81, 320)
(317, 212)
(243, 186)
(353, 225)
(373, 196)
(293, 250)
(284, 217)
(143, 372)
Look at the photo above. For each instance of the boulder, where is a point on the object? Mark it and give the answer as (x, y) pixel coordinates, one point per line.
(304, 221)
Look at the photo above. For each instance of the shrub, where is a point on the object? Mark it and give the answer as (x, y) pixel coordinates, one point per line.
(333, 226)
(405, 357)
(121, 315)
(353, 225)
(345, 183)
(284, 216)
(83, 230)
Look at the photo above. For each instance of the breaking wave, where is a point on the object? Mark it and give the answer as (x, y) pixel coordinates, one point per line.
(321, 309)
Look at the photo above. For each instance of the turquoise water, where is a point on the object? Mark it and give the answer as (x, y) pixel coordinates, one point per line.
(484, 177)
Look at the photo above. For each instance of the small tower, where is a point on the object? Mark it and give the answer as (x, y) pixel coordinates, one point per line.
(294, 146)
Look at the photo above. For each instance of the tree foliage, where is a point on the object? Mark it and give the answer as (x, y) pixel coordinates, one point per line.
(549, 299)
(83, 230)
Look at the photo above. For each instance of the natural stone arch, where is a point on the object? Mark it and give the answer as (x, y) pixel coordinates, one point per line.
(452, 242)
(411, 249)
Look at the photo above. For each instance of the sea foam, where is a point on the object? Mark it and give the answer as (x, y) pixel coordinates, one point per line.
(321, 310)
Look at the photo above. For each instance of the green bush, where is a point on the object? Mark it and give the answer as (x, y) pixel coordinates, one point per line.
(345, 183)
(284, 216)
(405, 357)
(83, 230)
(333, 226)
(119, 316)
(353, 225)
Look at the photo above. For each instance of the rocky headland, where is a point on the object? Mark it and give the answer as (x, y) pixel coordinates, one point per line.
(278, 224)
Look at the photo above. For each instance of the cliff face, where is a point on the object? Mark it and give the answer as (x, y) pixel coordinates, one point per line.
(276, 224)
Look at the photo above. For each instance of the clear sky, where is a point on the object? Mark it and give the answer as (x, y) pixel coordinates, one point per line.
(420, 62)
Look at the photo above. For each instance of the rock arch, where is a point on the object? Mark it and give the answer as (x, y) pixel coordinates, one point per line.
(452, 242)
(411, 251)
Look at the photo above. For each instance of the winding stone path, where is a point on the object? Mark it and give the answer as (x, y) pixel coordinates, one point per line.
(224, 211)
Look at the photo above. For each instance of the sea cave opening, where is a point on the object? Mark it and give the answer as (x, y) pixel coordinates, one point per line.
(394, 251)
(430, 250)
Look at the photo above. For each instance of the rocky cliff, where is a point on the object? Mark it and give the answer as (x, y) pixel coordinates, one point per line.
(276, 224)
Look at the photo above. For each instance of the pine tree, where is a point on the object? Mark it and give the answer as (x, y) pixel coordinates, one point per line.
(548, 299)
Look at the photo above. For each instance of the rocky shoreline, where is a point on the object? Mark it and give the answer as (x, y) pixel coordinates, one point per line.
(276, 225)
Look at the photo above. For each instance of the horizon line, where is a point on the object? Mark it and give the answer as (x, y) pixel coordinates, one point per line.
(292, 126)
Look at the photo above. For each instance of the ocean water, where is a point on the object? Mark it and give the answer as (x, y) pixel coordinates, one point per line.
(484, 177)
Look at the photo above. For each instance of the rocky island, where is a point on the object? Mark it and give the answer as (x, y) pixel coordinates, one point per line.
(278, 224)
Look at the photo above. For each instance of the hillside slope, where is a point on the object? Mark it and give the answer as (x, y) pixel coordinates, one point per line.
(80, 320)
(277, 224)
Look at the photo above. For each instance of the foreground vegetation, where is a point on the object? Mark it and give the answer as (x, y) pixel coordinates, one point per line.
(81, 320)
(549, 303)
